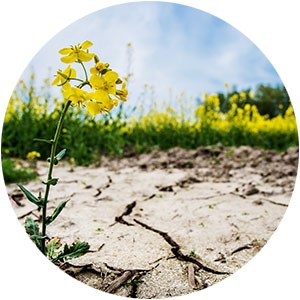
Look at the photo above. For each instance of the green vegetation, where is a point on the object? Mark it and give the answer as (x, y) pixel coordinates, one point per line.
(263, 118)
(12, 174)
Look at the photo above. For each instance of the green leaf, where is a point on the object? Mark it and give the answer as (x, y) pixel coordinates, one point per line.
(52, 181)
(61, 154)
(56, 212)
(33, 230)
(30, 196)
(38, 237)
(44, 141)
(77, 249)
(31, 227)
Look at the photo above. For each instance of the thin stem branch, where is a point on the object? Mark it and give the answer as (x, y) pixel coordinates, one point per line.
(76, 79)
(51, 165)
(84, 69)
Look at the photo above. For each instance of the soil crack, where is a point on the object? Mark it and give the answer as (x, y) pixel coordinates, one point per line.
(131, 277)
(128, 210)
(106, 186)
(175, 248)
(274, 202)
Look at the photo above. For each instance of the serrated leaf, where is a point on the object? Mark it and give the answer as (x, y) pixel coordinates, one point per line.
(56, 212)
(33, 230)
(77, 249)
(31, 227)
(30, 196)
(61, 154)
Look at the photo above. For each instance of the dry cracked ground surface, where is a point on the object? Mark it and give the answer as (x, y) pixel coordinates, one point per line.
(167, 223)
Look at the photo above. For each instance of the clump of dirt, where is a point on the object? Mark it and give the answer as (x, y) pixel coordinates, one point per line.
(168, 223)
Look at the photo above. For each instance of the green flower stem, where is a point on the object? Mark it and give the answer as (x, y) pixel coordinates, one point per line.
(84, 69)
(77, 79)
(51, 165)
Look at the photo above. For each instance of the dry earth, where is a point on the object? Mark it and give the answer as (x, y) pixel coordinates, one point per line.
(167, 223)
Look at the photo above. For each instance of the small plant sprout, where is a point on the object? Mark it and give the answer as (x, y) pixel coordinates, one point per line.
(98, 91)
(192, 253)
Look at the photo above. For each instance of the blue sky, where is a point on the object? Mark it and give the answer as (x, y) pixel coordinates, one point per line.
(175, 48)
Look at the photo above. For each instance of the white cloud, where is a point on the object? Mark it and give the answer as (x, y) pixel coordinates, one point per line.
(174, 47)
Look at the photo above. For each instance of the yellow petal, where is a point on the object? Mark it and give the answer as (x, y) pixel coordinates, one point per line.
(65, 51)
(67, 91)
(83, 56)
(97, 82)
(93, 71)
(56, 80)
(94, 108)
(70, 72)
(69, 59)
(112, 90)
(100, 96)
(86, 44)
(111, 76)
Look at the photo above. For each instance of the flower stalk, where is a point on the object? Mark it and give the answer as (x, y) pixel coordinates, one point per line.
(97, 92)
(49, 177)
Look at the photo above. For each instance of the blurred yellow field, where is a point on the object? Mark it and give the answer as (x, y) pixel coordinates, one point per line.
(229, 119)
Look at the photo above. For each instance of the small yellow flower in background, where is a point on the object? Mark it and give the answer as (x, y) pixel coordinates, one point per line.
(243, 96)
(63, 76)
(77, 53)
(33, 155)
(251, 94)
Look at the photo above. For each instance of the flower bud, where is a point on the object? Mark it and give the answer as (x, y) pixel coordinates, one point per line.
(96, 59)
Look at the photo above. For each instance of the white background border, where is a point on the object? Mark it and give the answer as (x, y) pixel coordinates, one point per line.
(25, 26)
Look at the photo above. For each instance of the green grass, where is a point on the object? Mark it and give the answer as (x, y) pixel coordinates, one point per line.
(15, 175)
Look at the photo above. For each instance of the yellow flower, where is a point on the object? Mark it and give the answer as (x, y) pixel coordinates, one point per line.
(74, 94)
(123, 93)
(99, 67)
(33, 155)
(77, 53)
(100, 101)
(107, 82)
(103, 94)
(63, 76)
(95, 108)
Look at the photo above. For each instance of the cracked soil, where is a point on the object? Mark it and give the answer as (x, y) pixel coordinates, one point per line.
(168, 223)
